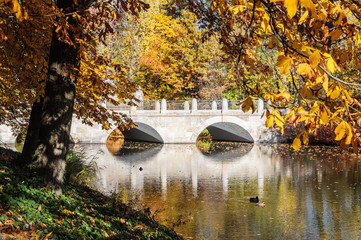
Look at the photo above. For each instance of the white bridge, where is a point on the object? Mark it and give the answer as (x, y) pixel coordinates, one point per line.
(177, 122)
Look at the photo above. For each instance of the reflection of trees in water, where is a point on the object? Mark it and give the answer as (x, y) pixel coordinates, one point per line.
(228, 150)
(138, 151)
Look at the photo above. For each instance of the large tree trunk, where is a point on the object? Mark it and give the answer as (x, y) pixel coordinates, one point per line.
(32, 136)
(57, 113)
(57, 108)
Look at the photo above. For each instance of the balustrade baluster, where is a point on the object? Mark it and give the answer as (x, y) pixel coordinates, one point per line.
(194, 104)
(224, 104)
(214, 105)
(163, 105)
(186, 106)
(260, 106)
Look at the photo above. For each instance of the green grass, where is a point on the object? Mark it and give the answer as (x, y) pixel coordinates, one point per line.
(204, 141)
(77, 171)
(29, 210)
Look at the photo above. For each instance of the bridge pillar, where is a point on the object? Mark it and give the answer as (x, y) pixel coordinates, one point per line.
(163, 105)
(224, 104)
(260, 105)
(214, 105)
(186, 106)
(157, 106)
(133, 109)
(194, 104)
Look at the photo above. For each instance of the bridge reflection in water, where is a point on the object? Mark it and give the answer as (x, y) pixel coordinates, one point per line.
(314, 194)
(177, 162)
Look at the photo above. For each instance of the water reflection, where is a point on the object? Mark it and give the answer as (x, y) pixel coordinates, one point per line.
(311, 194)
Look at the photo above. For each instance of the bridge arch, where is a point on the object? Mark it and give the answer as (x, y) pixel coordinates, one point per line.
(226, 129)
(142, 133)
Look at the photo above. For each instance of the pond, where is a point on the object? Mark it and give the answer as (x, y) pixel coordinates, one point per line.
(314, 193)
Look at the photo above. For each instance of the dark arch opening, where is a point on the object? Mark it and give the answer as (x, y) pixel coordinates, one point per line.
(142, 133)
(229, 132)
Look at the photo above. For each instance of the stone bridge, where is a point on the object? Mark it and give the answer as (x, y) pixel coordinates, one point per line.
(176, 122)
(182, 122)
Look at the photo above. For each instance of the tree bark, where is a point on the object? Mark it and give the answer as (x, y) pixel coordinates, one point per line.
(57, 108)
(32, 136)
(57, 113)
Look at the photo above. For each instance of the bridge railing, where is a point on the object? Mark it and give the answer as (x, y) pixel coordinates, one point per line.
(187, 105)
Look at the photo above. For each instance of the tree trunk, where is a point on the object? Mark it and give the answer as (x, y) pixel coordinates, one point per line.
(57, 109)
(32, 136)
(57, 113)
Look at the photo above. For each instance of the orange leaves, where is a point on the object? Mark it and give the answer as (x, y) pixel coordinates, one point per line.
(317, 44)
(16, 9)
(305, 69)
(247, 105)
(277, 97)
(284, 62)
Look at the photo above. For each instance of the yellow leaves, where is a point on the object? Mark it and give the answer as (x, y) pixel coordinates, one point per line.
(291, 6)
(344, 132)
(324, 117)
(221, 5)
(331, 65)
(341, 18)
(20, 14)
(335, 93)
(322, 16)
(305, 69)
(265, 27)
(315, 58)
(269, 96)
(308, 4)
(269, 120)
(284, 62)
(357, 38)
(315, 108)
(237, 9)
(297, 141)
(291, 116)
(325, 83)
(247, 105)
(275, 118)
(303, 18)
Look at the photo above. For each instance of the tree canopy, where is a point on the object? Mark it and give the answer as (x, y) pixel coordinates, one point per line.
(317, 44)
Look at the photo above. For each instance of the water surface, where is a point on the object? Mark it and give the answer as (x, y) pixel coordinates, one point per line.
(309, 194)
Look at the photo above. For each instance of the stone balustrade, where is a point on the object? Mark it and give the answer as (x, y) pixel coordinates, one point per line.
(193, 105)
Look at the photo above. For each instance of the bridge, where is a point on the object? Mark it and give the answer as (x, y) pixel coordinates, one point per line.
(176, 122)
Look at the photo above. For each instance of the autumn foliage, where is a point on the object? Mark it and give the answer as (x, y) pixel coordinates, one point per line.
(317, 43)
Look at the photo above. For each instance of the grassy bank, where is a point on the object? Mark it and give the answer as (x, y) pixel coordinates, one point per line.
(29, 210)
